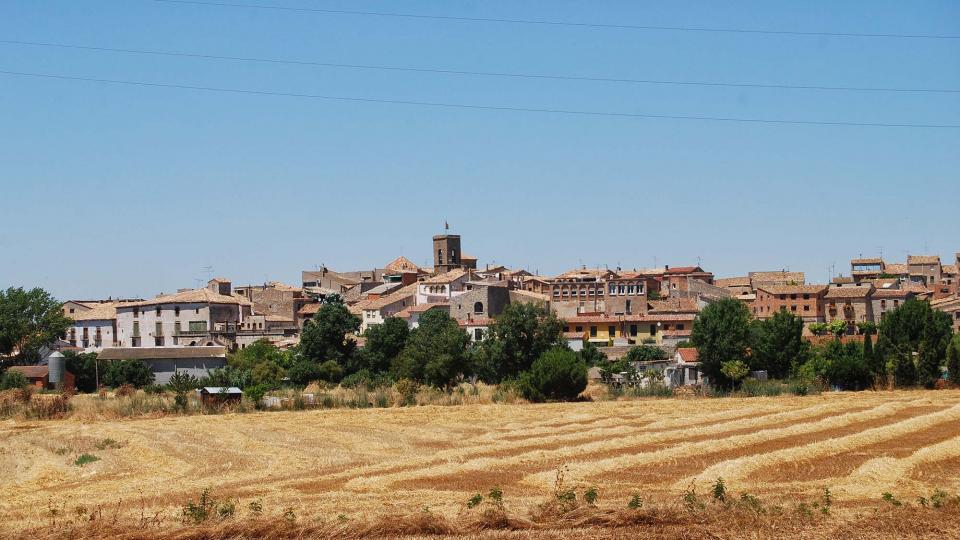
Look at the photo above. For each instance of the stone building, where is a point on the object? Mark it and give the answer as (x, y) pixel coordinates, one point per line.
(278, 301)
(442, 287)
(806, 301)
(679, 278)
(852, 305)
(924, 269)
(885, 300)
(482, 302)
(207, 316)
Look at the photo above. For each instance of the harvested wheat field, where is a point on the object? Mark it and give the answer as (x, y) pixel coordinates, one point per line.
(411, 471)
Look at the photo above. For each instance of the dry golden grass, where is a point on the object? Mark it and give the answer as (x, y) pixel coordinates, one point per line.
(354, 473)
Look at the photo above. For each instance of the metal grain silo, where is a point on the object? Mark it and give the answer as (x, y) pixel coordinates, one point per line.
(57, 364)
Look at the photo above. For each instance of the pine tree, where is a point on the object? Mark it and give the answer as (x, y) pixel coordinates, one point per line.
(953, 362)
(872, 360)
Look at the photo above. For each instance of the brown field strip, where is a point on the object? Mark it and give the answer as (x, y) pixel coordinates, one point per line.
(371, 462)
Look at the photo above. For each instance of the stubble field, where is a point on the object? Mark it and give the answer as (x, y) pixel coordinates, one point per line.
(358, 466)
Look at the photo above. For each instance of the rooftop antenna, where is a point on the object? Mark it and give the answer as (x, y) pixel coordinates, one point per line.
(209, 270)
(698, 260)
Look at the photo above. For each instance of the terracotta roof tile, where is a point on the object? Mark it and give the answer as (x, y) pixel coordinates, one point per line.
(447, 277)
(895, 269)
(794, 289)
(923, 259)
(688, 354)
(743, 281)
(193, 296)
(849, 292)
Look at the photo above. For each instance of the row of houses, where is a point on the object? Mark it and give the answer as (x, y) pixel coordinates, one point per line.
(613, 308)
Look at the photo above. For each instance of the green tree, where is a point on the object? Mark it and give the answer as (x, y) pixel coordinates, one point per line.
(181, 384)
(645, 353)
(13, 379)
(953, 361)
(84, 369)
(304, 372)
(324, 337)
(873, 361)
(258, 352)
(721, 333)
(904, 369)
(133, 372)
(838, 328)
(436, 351)
(735, 371)
(267, 374)
(558, 375)
(591, 354)
(929, 367)
(28, 321)
(330, 371)
(777, 344)
(847, 368)
(518, 336)
(819, 328)
(383, 344)
(907, 329)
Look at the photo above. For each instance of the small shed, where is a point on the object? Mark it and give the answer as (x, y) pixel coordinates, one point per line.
(217, 395)
(39, 376)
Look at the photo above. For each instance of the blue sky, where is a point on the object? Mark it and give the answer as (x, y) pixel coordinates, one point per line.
(130, 191)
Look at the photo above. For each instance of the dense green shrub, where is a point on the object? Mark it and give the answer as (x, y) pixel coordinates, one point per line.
(133, 372)
(559, 374)
(13, 379)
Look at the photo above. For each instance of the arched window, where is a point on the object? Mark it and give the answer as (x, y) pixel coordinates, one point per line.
(440, 256)
(453, 256)
(478, 307)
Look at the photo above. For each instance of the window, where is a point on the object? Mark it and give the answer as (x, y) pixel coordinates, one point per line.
(883, 304)
(136, 329)
(806, 308)
(176, 311)
(680, 327)
(477, 334)
(806, 296)
(578, 329)
(793, 297)
(71, 310)
(793, 308)
(612, 331)
(653, 329)
(136, 312)
(593, 331)
(158, 311)
(613, 289)
(440, 256)
(158, 329)
(628, 306)
(453, 256)
(176, 328)
(633, 330)
(198, 326)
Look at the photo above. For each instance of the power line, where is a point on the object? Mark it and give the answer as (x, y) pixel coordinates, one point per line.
(477, 73)
(569, 112)
(561, 23)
